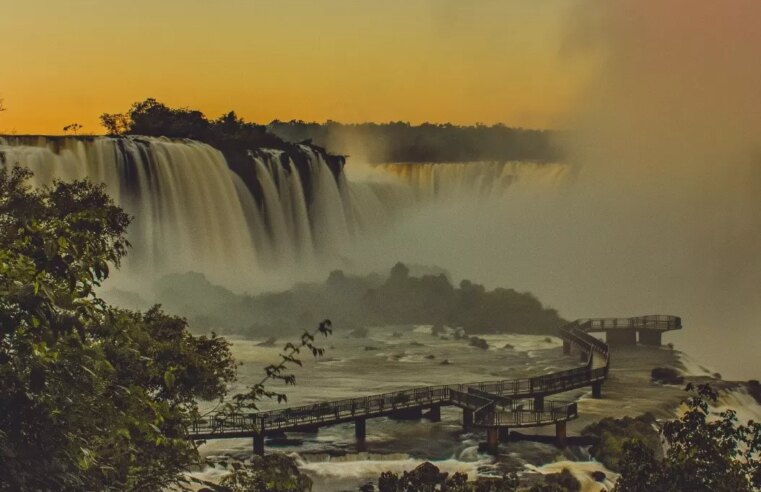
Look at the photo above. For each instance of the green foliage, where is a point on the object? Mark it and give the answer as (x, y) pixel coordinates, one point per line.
(247, 401)
(153, 118)
(270, 473)
(613, 434)
(705, 452)
(94, 398)
(233, 136)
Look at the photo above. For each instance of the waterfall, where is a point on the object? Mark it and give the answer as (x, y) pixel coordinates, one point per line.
(192, 212)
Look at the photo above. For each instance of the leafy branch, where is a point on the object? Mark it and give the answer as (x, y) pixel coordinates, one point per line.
(248, 401)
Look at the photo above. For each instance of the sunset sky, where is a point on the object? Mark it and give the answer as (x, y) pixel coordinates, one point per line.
(347, 60)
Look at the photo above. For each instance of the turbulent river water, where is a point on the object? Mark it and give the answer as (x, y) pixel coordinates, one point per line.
(394, 357)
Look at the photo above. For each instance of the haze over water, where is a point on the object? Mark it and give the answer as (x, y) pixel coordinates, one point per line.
(658, 109)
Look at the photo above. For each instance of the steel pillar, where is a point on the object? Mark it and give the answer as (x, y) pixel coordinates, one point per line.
(467, 418)
(504, 434)
(434, 414)
(259, 444)
(621, 337)
(492, 439)
(560, 433)
(360, 428)
(597, 389)
(539, 403)
(650, 337)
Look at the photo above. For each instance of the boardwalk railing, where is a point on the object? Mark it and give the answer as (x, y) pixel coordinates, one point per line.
(493, 403)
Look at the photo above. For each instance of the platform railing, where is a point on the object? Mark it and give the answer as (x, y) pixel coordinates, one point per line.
(472, 396)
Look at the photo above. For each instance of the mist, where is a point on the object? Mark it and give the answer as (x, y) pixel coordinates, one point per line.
(661, 211)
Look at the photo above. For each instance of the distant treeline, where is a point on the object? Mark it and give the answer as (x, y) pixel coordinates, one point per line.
(355, 302)
(402, 142)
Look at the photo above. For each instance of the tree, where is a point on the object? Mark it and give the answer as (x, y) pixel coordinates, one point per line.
(427, 478)
(705, 452)
(94, 397)
(115, 124)
(271, 473)
(74, 127)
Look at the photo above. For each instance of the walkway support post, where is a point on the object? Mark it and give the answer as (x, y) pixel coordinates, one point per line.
(434, 415)
(566, 347)
(360, 428)
(539, 403)
(597, 389)
(504, 434)
(621, 336)
(492, 439)
(583, 356)
(259, 444)
(560, 433)
(467, 418)
(650, 337)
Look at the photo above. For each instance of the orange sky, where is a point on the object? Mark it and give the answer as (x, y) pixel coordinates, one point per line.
(347, 60)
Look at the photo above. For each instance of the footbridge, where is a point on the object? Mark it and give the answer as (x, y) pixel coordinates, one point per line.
(495, 406)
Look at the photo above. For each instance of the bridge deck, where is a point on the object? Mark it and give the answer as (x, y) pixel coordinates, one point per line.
(493, 404)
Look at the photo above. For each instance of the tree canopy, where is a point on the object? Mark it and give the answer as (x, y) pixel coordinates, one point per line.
(94, 397)
(705, 452)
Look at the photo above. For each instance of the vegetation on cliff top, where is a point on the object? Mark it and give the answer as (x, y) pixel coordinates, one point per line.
(229, 133)
(429, 142)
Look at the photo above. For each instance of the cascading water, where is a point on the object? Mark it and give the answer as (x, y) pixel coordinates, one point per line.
(193, 213)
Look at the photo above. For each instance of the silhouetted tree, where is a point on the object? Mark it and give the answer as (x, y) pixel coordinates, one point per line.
(74, 127)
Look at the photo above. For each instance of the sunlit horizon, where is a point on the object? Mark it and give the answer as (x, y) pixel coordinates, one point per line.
(416, 61)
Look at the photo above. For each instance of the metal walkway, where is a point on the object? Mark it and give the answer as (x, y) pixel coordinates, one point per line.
(494, 405)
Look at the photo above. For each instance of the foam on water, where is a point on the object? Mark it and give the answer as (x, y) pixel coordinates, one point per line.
(582, 470)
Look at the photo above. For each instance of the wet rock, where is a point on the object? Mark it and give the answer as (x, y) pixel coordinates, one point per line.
(370, 347)
(598, 476)
(368, 487)
(270, 342)
(612, 433)
(430, 356)
(754, 389)
(438, 329)
(445, 362)
(358, 333)
(508, 346)
(547, 340)
(666, 375)
(478, 343)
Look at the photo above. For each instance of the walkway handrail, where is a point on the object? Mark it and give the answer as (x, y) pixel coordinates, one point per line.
(482, 398)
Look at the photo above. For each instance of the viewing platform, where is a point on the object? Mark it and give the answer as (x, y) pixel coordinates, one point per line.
(495, 406)
(646, 330)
